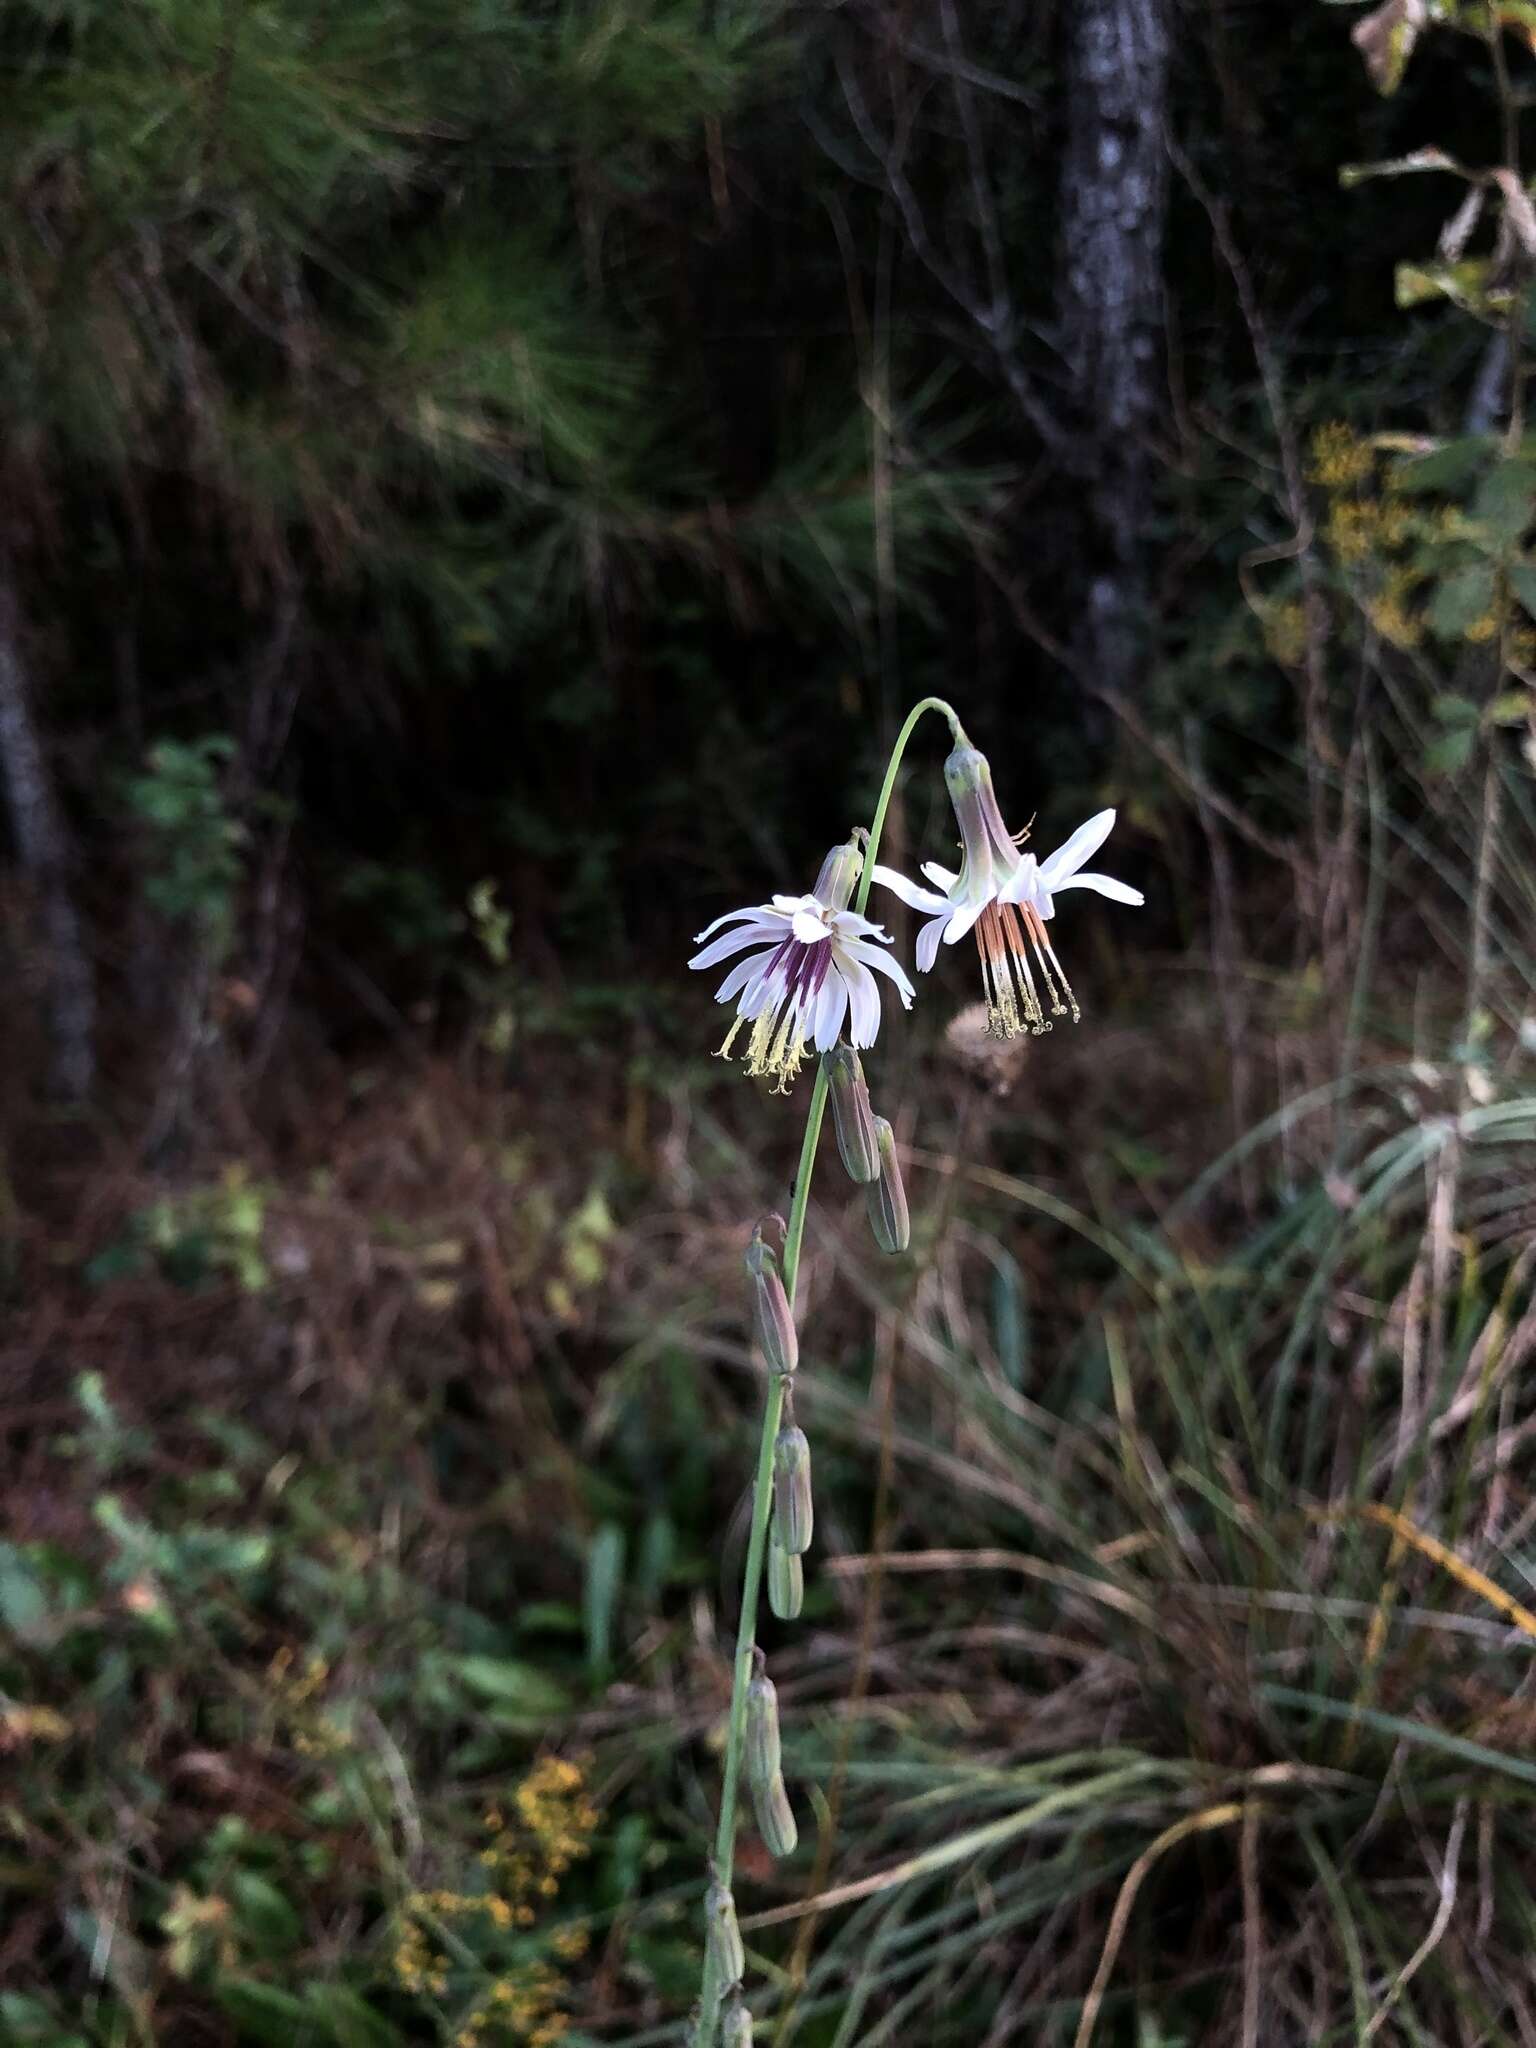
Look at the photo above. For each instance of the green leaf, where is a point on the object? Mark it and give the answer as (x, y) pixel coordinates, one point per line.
(1460, 600)
(1505, 500)
(266, 1918)
(1510, 707)
(1420, 1733)
(1448, 468)
(23, 1596)
(1465, 284)
(349, 2020)
(1452, 709)
(600, 1595)
(1451, 752)
(263, 2013)
(512, 1683)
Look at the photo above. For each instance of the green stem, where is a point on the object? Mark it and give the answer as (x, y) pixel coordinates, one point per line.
(888, 788)
(773, 1410)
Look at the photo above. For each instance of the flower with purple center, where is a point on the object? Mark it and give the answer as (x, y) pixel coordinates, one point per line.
(806, 971)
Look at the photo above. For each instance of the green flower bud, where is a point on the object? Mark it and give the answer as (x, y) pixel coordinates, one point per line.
(722, 1936)
(772, 1319)
(852, 1119)
(792, 1510)
(786, 1581)
(989, 856)
(736, 2025)
(886, 1198)
(839, 872)
(775, 1817)
(762, 1742)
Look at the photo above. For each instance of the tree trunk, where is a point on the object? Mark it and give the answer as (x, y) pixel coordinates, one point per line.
(42, 847)
(1114, 206)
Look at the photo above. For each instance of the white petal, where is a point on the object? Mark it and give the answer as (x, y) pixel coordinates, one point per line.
(739, 976)
(909, 892)
(961, 921)
(1069, 856)
(928, 943)
(810, 931)
(788, 905)
(757, 910)
(831, 1007)
(1104, 885)
(863, 1003)
(848, 924)
(882, 963)
(759, 934)
(763, 993)
(1024, 886)
(940, 877)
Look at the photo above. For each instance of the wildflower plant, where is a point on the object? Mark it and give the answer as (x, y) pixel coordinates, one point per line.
(805, 976)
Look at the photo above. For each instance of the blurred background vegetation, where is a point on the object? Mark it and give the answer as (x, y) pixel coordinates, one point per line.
(480, 483)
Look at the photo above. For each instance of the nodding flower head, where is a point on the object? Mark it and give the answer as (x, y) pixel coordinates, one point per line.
(807, 969)
(989, 852)
(1008, 898)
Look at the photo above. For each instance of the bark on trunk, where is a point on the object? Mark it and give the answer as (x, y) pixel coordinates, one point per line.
(1114, 206)
(42, 847)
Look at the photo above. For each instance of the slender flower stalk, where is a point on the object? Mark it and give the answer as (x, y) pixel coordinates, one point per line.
(715, 1984)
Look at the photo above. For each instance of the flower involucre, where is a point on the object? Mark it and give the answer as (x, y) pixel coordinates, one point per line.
(1007, 897)
(807, 969)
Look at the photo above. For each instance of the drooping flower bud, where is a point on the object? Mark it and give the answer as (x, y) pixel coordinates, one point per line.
(786, 1581)
(762, 1741)
(990, 855)
(792, 1510)
(886, 1198)
(840, 872)
(852, 1118)
(771, 1315)
(722, 1936)
(775, 1817)
(736, 2024)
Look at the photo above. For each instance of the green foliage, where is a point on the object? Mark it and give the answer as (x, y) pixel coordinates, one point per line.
(196, 846)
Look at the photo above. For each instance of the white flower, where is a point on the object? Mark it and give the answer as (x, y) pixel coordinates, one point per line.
(806, 970)
(1009, 910)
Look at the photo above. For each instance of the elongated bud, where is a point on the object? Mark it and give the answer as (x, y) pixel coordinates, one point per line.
(775, 1817)
(763, 1756)
(771, 1317)
(792, 1512)
(736, 2025)
(852, 1118)
(990, 855)
(840, 872)
(722, 1936)
(886, 1198)
(786, 1581)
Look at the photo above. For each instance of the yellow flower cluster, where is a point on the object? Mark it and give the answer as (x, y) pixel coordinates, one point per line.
(20, 1725)
(531, 1846)
(1341, 461)
(524, 2006)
